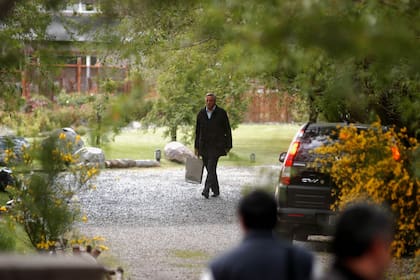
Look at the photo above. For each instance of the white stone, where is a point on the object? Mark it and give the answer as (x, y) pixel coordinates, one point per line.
(91, 156)
(178, 152)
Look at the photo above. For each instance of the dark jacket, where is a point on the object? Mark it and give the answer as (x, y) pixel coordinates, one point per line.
(213, 137)
(341, 272)
(261, 256)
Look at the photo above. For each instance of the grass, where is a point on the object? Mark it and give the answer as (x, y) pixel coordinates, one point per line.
(4, 197)
(266, 141)
(191, 259)
(189, 254)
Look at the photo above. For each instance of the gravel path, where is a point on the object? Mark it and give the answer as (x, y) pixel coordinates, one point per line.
(159, 226)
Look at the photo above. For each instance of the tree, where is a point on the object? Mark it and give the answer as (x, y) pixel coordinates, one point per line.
(353, 59)
(162, 38)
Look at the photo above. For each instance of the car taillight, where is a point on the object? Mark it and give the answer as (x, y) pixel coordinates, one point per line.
(287, 168)
(291, 153)
(396, 153)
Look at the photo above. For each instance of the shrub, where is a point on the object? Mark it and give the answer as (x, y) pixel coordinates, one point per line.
(377, 165)
(7, 236)
(43, 199)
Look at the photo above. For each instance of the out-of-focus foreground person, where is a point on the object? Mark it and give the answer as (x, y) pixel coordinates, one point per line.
(261, 255)
(362, 243)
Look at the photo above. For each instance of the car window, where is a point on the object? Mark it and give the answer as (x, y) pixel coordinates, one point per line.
(313, 138)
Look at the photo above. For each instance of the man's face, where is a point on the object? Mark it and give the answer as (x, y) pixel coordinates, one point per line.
(381, 252)
(210, 102)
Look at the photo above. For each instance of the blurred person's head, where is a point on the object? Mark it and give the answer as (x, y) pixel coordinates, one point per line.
(258, 211)
(363, 238)
(210, 100)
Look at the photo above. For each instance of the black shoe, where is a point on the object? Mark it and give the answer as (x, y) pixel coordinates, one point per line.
(206, 195)
(215, 195)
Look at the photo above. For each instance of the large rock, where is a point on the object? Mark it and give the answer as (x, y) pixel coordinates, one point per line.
(91, 156)
(66, 139)
(14, 143)
(5, 131)
(176, 151)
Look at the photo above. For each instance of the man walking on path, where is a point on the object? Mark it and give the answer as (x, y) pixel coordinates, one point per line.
(213, 139)
(261, 256)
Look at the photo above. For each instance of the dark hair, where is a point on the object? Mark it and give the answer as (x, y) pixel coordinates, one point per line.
(258, 211)
(358, 226)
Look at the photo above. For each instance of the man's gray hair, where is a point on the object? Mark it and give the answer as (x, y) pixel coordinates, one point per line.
(211, 94)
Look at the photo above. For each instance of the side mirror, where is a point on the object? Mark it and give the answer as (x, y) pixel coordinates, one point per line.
(282, 157)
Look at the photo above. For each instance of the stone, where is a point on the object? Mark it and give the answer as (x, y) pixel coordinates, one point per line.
(66, 138)
(6, 131)
(15, 143)
(177, 152)
(91, 156)
(134, 125)
(147, 163)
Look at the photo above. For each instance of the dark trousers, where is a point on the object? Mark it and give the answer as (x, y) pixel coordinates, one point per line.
(211, 181)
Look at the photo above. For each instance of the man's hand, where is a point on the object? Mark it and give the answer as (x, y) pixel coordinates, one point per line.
(196, 152)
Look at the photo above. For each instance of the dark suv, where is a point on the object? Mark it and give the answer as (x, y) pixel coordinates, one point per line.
(303, 193)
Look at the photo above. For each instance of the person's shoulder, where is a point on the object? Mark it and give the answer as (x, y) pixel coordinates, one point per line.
(226, 257)
(218, 264)
(201, 111)
(301, 252)
(220, 109)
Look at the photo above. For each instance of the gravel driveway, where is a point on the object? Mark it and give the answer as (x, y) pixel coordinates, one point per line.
(159, 226)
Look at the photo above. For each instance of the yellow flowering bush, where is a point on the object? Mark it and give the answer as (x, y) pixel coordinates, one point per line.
(95, 242)
(45, 184)
(376, 164)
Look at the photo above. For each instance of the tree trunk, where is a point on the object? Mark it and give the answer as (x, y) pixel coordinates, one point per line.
(313, 112)
(173, 132)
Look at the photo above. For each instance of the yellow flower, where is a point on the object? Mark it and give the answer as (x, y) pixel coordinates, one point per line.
(62, 136)
(77, 138)
(3, 209)
(84, 218)
(103, 247)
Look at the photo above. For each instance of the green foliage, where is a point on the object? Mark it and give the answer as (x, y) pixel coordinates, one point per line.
(73, 99)
(354, 60)
(43, 198)
(162, 38)
(7, 236)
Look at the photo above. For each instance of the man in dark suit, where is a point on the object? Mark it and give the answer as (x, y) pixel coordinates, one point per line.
(261, 256)
(213, 139)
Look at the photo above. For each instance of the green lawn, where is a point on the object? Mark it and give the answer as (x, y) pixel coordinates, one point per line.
(265, 141)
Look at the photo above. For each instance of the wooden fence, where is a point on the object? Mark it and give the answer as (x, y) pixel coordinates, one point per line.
(268, 106)
(73, 78)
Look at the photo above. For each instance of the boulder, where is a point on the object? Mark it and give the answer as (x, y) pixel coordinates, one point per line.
(177, 152)
(91, 156)
(134, 125)
(14, 143)
(5, 131)
(66, 139)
